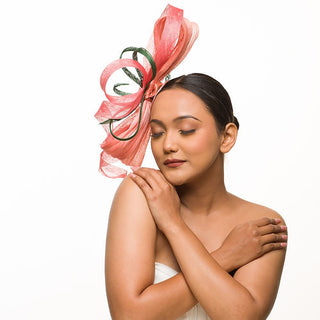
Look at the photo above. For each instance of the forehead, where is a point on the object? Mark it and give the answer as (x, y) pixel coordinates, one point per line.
(177, 102)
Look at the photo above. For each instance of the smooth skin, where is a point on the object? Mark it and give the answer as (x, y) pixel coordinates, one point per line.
(184, 217)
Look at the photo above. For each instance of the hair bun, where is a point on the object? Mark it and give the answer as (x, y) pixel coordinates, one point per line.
(236, 122)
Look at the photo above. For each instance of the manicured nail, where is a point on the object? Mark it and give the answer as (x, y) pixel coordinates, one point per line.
(277, 220)
(284, 228)
(285, 237)
(283, 244)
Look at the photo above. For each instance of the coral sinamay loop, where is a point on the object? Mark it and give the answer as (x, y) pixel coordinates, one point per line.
(172, 38)
(145, 84)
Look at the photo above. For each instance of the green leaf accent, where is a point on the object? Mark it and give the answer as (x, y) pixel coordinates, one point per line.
(138, 80)
(119, 92)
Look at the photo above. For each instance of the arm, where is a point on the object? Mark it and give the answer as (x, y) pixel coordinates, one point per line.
(130, 263)
(250, 295)
(251, 240)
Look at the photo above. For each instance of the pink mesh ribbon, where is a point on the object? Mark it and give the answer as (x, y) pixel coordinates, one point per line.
(173, 37)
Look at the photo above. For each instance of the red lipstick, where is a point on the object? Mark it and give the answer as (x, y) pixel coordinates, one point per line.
(173, 163)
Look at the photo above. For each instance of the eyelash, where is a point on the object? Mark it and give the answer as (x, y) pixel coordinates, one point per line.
(156, 135)
(183, 132)
(186, 132)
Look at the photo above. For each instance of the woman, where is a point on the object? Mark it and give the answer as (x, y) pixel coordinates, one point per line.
(179, 246)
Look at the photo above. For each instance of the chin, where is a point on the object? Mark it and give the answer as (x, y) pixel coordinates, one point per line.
(174, 177)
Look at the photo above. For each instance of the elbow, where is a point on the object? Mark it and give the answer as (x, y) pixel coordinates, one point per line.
(250, 309)
(130, 315)
(241, 311)
(125, 311)
(243, 315)
(251, 312)
(124, 314)
(129, 309)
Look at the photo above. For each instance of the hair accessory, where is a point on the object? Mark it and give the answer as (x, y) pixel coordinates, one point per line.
(172, 39)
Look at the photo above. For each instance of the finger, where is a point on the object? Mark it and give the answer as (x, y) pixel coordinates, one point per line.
(265, 221)
(274, 238)
(147, 175)
(273, 246)
(141, 183)
(154, 177)
(271, 228)
(157, 174)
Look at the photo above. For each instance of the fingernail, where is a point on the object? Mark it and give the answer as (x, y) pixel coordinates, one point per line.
(285, 237)
(277, 220)
(132, 175)
(283, 228)
(283, 244)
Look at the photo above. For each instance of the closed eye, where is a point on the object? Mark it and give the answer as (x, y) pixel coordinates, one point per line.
(186, 132)
(156, 135)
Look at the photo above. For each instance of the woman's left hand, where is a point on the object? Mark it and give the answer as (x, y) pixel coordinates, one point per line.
(162, 198)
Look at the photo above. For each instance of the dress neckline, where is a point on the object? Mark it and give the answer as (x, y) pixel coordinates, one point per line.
(166, 267)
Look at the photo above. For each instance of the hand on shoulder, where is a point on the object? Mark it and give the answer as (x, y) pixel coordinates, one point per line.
(265, 235)
(257, 231)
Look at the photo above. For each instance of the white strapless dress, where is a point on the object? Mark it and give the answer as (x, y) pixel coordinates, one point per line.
(162, 273)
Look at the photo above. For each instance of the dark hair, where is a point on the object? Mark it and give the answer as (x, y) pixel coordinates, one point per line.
(211, 92)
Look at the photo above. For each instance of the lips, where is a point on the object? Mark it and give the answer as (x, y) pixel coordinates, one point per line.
(173, 163)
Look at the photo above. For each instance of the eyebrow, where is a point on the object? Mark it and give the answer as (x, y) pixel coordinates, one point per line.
(176, 119)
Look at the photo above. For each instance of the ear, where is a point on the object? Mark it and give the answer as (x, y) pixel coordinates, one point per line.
(229, 137)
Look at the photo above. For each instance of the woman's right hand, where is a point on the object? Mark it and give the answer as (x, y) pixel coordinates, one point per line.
(249, 241)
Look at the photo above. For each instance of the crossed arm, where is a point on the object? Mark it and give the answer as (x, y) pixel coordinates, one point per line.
(130, 260)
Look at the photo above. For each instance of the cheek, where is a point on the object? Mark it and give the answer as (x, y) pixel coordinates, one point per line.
(198, 147)
(156, 149)
(204, 144)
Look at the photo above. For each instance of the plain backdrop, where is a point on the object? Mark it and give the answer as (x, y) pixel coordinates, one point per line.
(54, 202)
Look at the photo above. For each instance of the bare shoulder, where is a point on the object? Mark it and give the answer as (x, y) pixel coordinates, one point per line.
(252, 211)
(261, 276)
(130, 215)
(129, 201)
(130, 246)
(128, 190)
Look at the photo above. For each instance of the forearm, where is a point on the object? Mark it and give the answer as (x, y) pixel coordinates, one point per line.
(224, 259)
(220, 295)
(174, 295)
(165, 300)
(168, 299)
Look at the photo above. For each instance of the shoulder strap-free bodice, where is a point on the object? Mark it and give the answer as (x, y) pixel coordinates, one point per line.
(162, 273)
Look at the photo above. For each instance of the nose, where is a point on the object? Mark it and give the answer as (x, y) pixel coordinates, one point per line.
(170, 144)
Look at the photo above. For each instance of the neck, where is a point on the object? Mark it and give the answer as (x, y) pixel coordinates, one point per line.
(206, 194)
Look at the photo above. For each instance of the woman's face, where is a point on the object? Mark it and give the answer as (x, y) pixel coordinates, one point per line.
(184, 141)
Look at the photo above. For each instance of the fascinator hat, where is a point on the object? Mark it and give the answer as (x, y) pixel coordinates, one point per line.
(125, 116)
